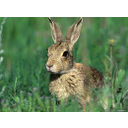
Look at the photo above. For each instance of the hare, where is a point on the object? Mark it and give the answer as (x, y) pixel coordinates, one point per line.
(66, 76)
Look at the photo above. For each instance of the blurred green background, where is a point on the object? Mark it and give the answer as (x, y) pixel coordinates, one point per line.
(24, 83)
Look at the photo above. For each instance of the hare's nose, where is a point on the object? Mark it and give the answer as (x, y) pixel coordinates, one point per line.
(49, 66)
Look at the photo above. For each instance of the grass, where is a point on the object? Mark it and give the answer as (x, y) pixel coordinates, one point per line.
(24, 84)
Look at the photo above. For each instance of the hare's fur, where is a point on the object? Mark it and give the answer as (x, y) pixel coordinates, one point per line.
(68, 77)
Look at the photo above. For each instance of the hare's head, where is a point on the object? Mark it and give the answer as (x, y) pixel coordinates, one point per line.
(60, 59)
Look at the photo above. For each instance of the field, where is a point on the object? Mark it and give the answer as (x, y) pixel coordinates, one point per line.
(24, 80)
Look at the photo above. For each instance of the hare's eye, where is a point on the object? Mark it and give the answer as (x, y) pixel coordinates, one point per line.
(66, 53)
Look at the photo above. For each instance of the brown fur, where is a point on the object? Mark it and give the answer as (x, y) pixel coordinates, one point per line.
(68, 77)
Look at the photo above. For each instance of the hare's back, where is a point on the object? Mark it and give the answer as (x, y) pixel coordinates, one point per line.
(92, 76)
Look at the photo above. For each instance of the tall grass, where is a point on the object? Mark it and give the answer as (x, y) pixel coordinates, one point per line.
(1, 50)
(24, 85)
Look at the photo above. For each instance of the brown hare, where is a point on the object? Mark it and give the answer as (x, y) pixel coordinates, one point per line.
(66, 76)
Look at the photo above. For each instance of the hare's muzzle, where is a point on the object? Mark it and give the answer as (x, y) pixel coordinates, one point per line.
(49, 68)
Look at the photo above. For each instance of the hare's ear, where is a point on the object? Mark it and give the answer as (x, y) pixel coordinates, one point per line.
(74, 33)
(55, 32)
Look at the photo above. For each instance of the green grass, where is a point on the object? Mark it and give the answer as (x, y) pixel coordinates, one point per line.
(25, 81)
